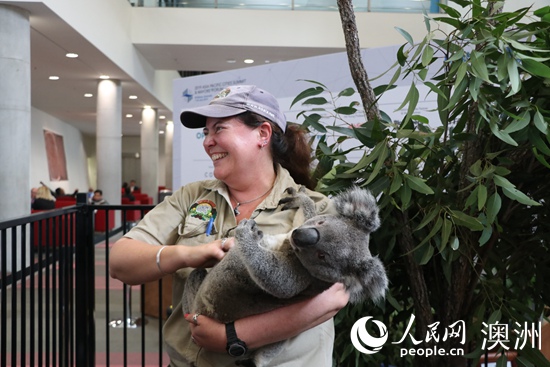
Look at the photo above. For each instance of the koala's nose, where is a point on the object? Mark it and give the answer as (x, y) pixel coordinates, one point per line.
(303, 237)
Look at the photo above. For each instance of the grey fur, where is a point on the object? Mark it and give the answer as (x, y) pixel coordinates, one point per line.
(262, 273)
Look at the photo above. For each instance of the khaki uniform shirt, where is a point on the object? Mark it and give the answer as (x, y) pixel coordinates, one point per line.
(181, 220)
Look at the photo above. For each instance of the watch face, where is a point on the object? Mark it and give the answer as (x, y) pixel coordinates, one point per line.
(236, 350)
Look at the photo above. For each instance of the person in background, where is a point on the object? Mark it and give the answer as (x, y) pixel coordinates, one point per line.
(33, 194)
(256, 157)
(128, 194)
(133, 186)
(59, 192)
(97, 198)
(44, 199)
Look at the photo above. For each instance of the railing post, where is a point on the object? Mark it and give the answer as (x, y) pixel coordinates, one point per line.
(85, 284)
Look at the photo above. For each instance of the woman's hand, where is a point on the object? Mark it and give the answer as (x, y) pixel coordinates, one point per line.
(135, 262)
(207, 255)
(273, 326)
(207, 333)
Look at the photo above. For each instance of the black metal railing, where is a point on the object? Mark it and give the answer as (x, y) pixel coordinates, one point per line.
(55, 308)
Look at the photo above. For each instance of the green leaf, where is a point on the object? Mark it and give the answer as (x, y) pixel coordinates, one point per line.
(502, 70)
(453, 13)
(479, 67)
(519, 196)
(427, 55)
(513, 74)
(520, 124)
(493, 207)
(536, 68)
(435, 89)
(536, 140)
(346, 110)
(313, 121)
(427, 255)
(379, 163)
(455, 243)
(445, 233)
(344, 130)
(428, 218)
(368, 158)
(481, 196)
(458, 93)
(316, 101)
(418, 184)
(485, 235)
(540, 123)
(406, 35)
(502, 135)
(467, 221)
(307, 93)
(347, 92)
(502, 182)
(541, 158)
(396, 182)
(405, 195)
(408, 97)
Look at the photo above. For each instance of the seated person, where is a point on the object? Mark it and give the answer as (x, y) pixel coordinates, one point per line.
(128, 194)
(43, 200)
(97, 199)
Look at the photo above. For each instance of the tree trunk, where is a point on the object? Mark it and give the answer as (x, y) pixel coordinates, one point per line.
(358, 72)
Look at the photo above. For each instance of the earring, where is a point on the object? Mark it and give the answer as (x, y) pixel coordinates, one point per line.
(264, 143)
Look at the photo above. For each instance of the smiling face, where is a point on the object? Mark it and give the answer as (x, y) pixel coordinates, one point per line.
(232, 146)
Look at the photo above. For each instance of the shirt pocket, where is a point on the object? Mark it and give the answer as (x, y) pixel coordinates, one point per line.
(193, 227)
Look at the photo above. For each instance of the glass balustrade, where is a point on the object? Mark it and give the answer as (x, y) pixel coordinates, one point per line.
(407, 6)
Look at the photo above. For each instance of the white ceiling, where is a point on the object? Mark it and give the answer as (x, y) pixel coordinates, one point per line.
(52, 38)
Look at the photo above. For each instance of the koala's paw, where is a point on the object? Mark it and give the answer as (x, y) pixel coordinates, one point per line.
(298, 199)
(248, 233)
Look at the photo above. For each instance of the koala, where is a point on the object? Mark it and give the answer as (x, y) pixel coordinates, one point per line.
(262, 272)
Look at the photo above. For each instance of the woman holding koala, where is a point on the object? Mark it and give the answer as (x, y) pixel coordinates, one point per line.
(256, 157)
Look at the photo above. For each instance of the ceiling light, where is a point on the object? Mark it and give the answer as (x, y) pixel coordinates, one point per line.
(231, 61)
(161, 132)
(132, 97)
(162, 117)
(141, 122)
(128, 115)
(104, 77)
(248, 61)
(54, 77)
(147, 107)
(267, 61)
(88, 95)
(71, 55)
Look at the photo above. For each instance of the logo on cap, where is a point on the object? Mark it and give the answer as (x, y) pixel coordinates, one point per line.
(224, 93)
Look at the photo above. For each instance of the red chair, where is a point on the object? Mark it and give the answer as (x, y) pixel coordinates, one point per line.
(65, 201)
(99, 219)
(131, 215)
(143, 198)
(44, 231)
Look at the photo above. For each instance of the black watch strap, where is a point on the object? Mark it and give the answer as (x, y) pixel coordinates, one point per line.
(235, 346)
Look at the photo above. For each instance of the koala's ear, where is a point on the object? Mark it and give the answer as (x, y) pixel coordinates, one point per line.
(368, 282)
(358, 205)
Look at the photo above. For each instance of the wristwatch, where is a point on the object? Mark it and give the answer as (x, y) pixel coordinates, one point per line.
(235, 346)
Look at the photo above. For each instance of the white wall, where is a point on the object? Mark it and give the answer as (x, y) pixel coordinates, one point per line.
(75, 153)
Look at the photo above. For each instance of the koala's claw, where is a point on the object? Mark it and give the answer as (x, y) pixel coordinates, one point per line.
(293, 201)
(247, 230)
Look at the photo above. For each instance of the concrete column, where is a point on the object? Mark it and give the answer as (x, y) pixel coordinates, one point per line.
(150, 152)
(168, 152)
(109, 139)
(15, 112)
